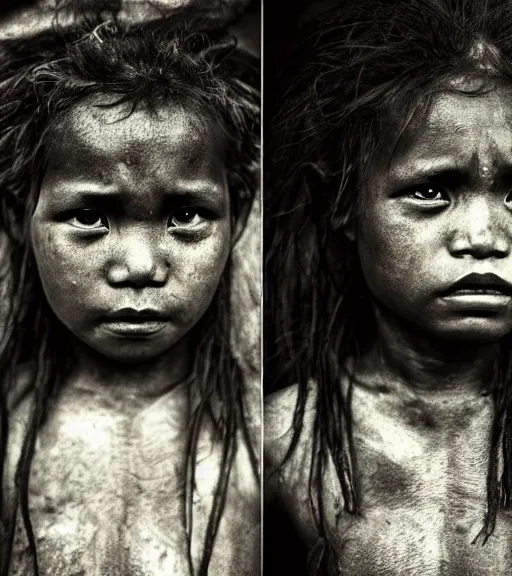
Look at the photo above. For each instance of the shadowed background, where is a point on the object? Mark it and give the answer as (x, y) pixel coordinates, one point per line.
(284, 552)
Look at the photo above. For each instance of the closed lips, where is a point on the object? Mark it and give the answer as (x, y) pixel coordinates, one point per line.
(490, 284)
(137, 319)
(129, 315)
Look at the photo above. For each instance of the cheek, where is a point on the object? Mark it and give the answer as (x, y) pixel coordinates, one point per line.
(60, 268)
(199, 267)
(397, 253)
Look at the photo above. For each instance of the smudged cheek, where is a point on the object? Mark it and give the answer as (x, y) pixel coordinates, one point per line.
(400, 257)
(67, 270)
(197, 272)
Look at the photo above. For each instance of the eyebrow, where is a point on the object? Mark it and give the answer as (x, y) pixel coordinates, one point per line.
(448, 174)
(445, 171)
(112, 197)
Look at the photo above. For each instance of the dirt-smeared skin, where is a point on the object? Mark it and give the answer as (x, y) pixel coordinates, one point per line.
(107, 491)
(422, 486)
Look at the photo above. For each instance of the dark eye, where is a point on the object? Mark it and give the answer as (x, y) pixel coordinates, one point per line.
(89, 220)
(428, 192)
(508, 200)
(186, 218)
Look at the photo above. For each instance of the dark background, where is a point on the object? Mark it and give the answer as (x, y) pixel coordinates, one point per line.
(283, 552)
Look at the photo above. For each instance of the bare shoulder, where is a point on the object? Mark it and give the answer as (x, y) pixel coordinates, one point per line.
(287, 471)
(279, 416)
(279, 408)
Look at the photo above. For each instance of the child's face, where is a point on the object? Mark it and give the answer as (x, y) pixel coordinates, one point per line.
(441, 209)
(132, 229)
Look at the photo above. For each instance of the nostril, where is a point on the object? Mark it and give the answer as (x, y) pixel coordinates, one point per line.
(117, 274)
(150, 275)
(161, 274)
(138, 260)
(480, 252)
(481, 245)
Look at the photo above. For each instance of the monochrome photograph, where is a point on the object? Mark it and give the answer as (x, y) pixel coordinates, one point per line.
(130, 398)
(388, 286)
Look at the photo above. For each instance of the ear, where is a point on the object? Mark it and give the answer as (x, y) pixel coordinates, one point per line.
(239, 223)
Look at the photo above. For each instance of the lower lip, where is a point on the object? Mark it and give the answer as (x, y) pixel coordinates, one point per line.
(479, 299)
(128, 328)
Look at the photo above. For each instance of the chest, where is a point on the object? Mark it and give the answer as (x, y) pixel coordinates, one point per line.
(422, 497)
(108, 494)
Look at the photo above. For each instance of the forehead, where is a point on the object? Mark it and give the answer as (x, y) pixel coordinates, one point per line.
(102, 141)
(457, 126)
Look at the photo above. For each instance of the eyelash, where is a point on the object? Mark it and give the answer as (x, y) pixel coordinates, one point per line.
(76, 214)
(414, 191)
(103, 222)
(423, 189)
(197, 212)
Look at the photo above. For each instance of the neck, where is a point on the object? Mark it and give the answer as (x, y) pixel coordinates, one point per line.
(404, 355)
(92, 371)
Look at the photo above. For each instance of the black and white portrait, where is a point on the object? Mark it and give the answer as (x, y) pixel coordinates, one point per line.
(129, 357)
(388, 289)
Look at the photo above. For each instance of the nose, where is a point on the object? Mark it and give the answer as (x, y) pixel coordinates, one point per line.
(483, 229)
(138, 260)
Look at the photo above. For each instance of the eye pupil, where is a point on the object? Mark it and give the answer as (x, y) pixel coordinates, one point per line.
(191, 218)
(88, 217)
(186, 215)
(428, 193)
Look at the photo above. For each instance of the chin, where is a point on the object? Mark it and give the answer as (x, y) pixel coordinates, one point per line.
(134, 352)
(476, 330)
(133, 358)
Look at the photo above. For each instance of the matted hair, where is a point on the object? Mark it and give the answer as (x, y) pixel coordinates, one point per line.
(41, 79)
(356, 66)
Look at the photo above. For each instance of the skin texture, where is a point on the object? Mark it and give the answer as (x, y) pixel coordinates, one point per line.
(107, 495)
(460, 152)
(421, 418)
(421, 476)
(107, 487)
(134, 177)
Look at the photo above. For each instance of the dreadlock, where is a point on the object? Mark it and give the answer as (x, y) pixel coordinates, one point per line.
(41, 80)
(356, 67)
